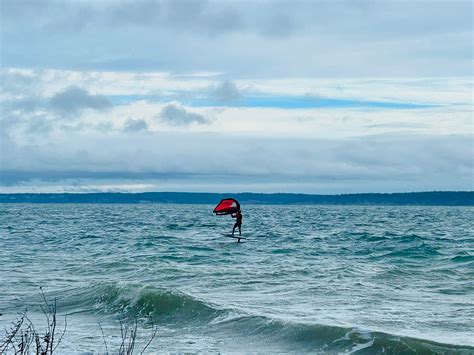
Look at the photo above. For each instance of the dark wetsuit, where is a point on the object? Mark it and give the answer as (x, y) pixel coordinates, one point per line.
(238, 222)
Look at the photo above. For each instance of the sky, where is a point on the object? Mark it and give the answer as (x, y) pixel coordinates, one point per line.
(324, 97)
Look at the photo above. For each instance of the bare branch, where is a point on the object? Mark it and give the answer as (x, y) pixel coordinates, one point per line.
(103, 337)
(154, 331)
(132, 338)
(16, 326)
(64, 332)
(124, 332)
(53, 326)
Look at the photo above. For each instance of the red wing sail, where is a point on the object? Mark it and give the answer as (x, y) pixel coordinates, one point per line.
(227, 206)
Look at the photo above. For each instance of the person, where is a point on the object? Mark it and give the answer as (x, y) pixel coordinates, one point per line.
(238, 221)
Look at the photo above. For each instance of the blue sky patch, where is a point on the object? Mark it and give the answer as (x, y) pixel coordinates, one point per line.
(305, 102)
(282, 102)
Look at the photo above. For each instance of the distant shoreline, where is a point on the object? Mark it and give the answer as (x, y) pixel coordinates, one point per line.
(433, 198)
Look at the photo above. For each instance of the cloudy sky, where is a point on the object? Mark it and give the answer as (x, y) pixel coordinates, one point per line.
(231, 96)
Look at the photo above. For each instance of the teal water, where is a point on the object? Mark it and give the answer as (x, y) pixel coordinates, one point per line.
(325, 279)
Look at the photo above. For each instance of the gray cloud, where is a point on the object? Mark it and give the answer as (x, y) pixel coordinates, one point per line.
(7, 123)
(35, 125)
(176, 115)
(36, 116)
(71, 127)
(39, 125)
(135, 125)
(133, 13)
(18, 83)
(281, 22)
(348, 38)
(70, 100)
(374, 163)
(225, 91)
(203, 16)
(271, 18)
(397, 125)
(75, 99)
(243, 40)
(25, 105)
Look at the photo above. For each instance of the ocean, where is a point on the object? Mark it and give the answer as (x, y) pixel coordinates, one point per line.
(319, 279)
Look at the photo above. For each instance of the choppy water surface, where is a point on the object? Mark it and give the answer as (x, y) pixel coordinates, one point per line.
(308, 279)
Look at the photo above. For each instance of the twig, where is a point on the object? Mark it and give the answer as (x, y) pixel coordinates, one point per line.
(123, 331)
(153, 335)
(53, 326)
(64, 332)
(13, 331)
(103, 337)
(131, 340)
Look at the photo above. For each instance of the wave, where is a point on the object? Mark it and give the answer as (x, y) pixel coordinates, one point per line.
(288, 336)
(138, 302)
(420, 251)
(463, 257)
(176, 309)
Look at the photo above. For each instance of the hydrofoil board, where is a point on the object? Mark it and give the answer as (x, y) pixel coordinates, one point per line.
(233, 236)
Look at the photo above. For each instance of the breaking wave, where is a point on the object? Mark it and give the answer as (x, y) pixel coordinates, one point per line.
(177, 309)
(139, 302)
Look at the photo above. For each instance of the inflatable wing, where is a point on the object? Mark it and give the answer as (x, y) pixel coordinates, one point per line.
(227, 206)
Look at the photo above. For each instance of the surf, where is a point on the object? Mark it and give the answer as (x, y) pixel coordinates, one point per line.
(173, 308)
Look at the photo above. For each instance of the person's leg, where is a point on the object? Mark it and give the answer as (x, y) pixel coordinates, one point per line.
(233, 229)
(240, 231)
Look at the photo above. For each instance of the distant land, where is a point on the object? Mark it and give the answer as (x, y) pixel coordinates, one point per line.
(435, 198)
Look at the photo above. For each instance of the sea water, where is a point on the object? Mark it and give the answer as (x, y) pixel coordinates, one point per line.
(322, 279)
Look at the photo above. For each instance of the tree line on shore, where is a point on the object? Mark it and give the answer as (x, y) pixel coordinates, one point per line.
(434, 198)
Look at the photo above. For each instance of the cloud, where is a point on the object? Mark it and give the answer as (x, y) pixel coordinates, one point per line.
(407, 125)
(74, 99)
(374, 163)
(25, 105)
(282, 50)
(30, 115)
(133, 13)
(225, 91)
(279, 38)
(39, 125)
(201, 15)
(18, 82)
(264, 17)
(176, 115)
(135, 125)
(279, 22)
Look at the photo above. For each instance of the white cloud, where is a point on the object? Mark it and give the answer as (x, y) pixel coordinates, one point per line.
(161, 85)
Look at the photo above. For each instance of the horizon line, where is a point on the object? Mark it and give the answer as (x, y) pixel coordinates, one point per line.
(235, 193)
